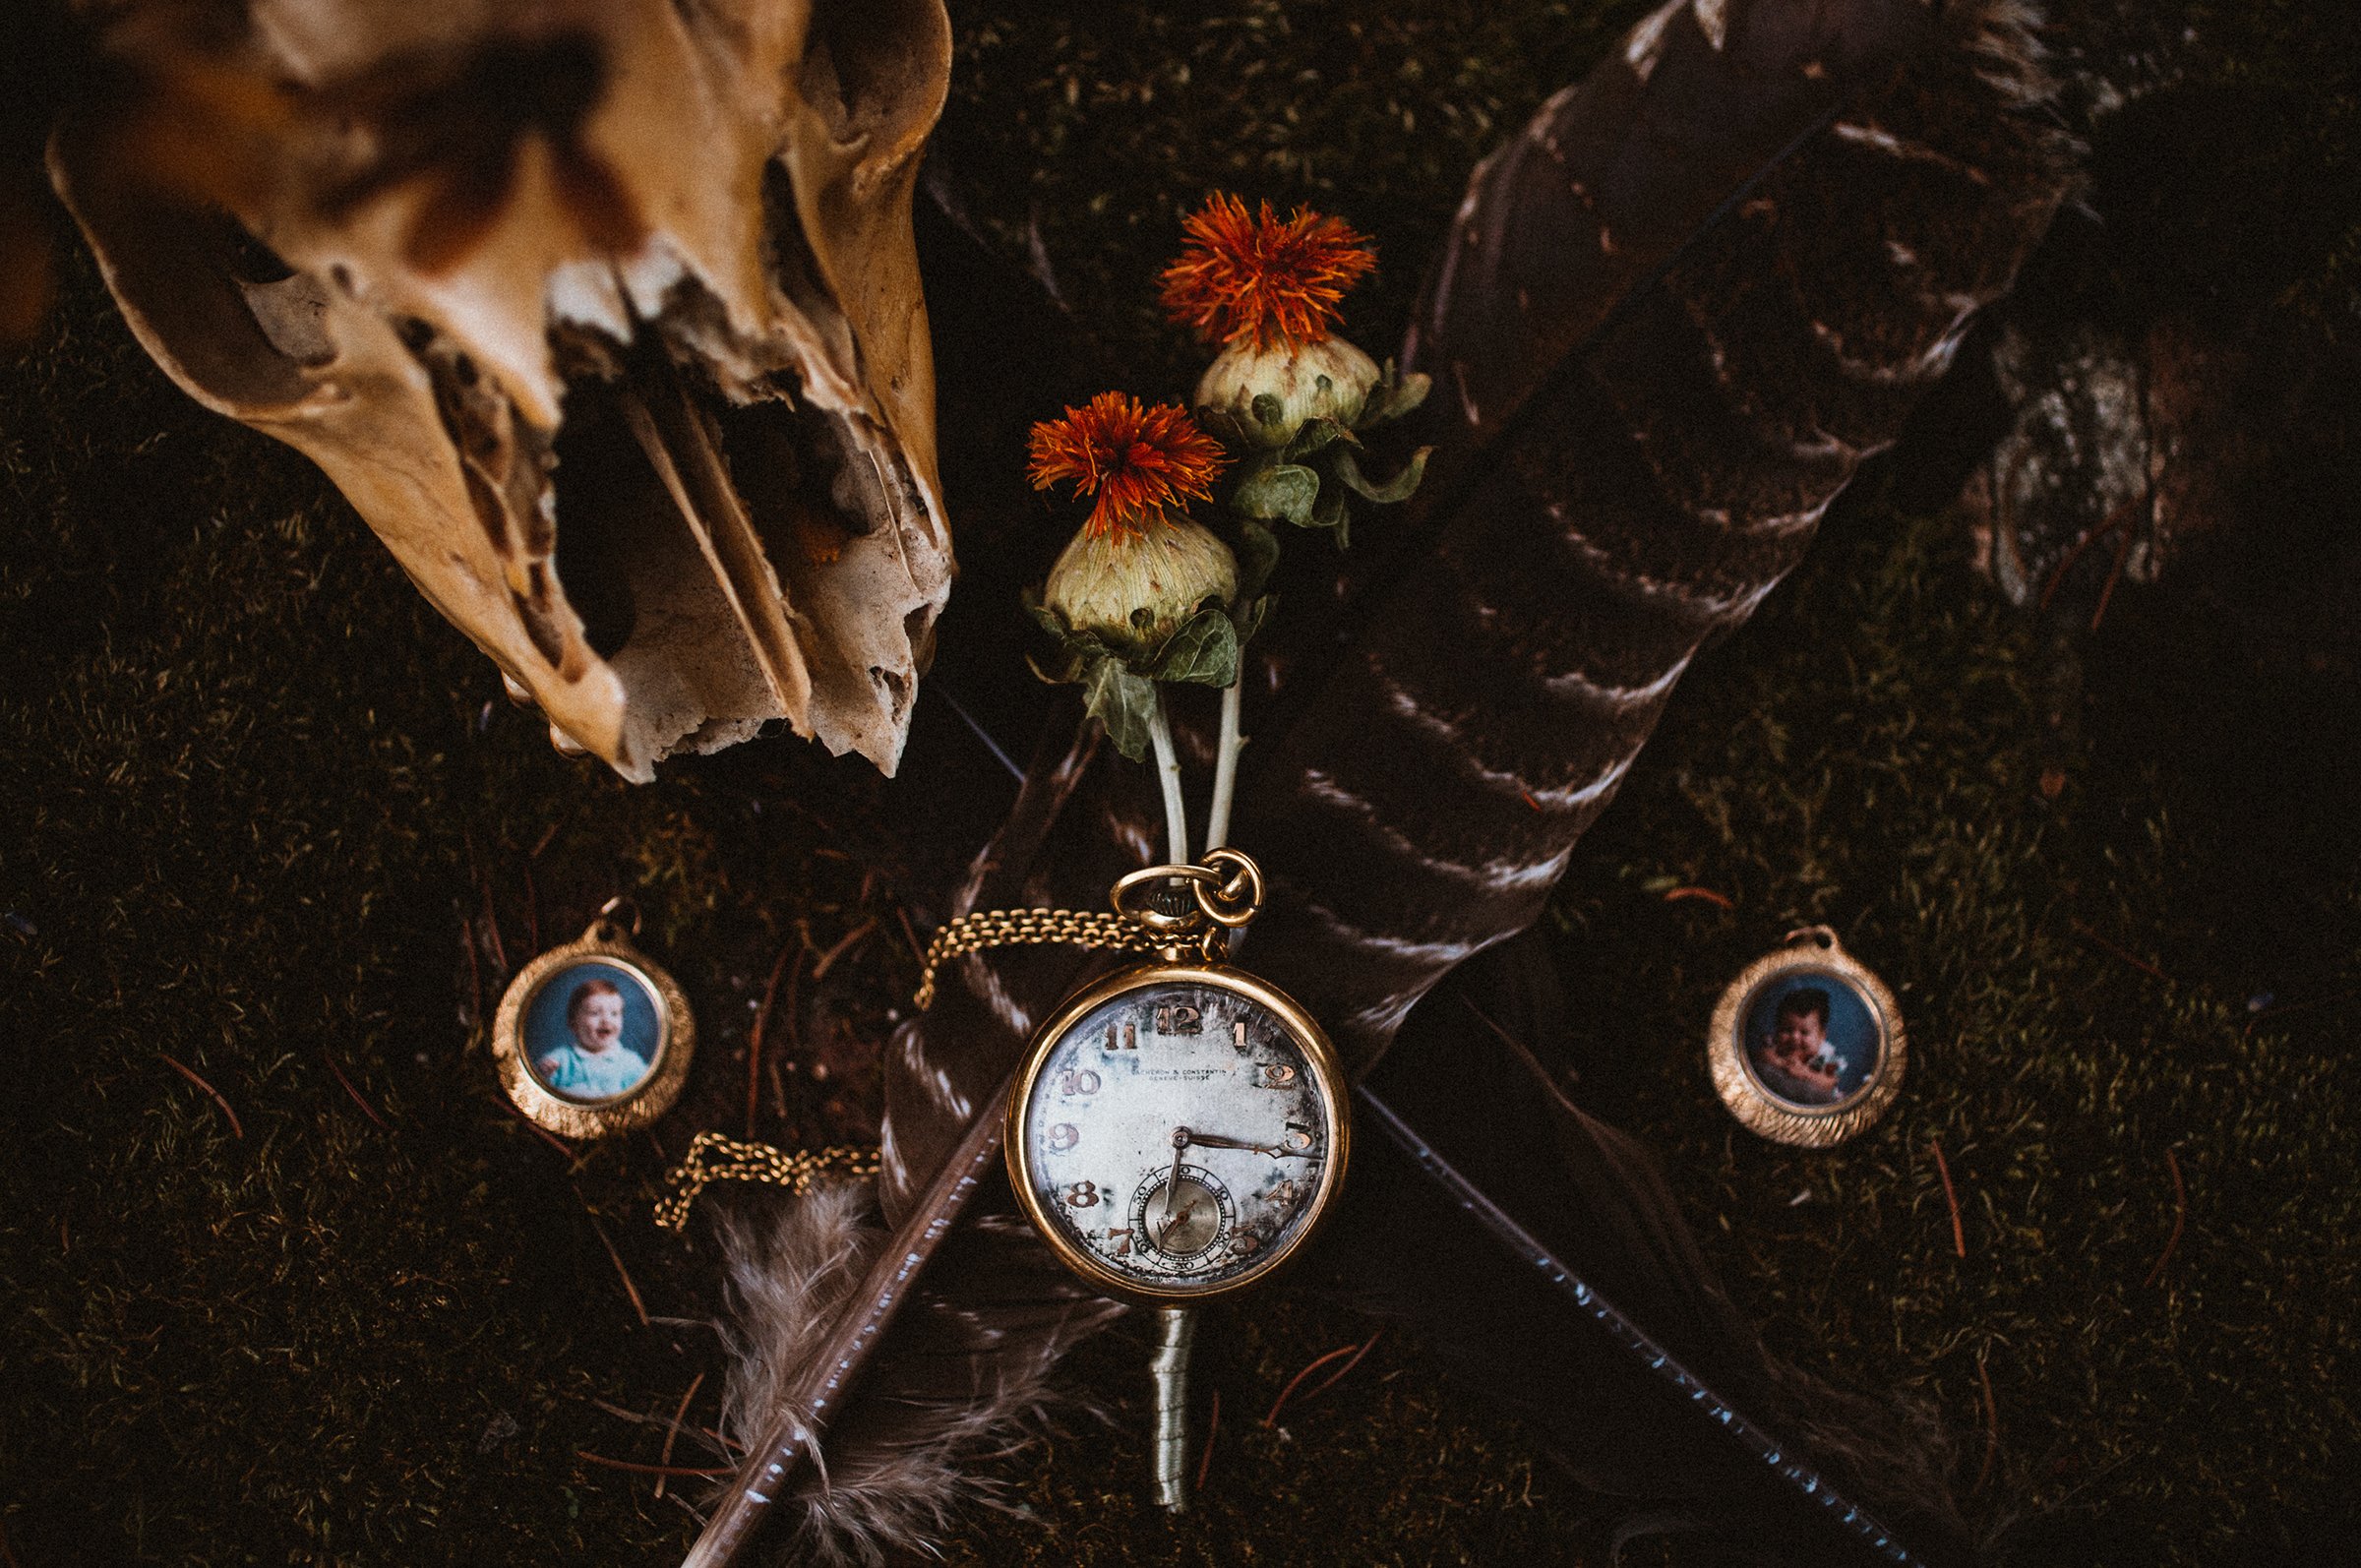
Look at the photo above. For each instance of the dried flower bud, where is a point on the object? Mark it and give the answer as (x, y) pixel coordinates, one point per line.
(1267, 280)
(1139, 461)
(1327, 380)
(1132, 587)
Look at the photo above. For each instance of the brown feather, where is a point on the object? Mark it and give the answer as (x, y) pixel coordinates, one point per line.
(1605, 502)
(960, 1389)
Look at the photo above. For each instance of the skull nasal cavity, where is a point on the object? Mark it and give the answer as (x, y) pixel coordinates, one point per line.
(545, 84)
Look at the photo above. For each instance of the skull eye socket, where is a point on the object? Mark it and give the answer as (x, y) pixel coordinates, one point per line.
(201, 283)
(876, 69)
(243, 254)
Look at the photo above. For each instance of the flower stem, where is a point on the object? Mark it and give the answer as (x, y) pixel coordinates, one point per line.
(1224, 764)
(1167, 769)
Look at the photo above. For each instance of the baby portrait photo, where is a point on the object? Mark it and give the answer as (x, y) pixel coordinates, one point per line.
(593, 1032)
(1812, 1039)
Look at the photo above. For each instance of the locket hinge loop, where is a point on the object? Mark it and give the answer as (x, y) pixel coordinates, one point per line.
(609, 926)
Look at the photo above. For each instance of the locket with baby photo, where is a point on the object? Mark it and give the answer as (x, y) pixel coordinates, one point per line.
(1806, 1044)
(593, 1038)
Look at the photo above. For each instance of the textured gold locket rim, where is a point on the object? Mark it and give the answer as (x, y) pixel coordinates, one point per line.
(1812, 950)
(675, 1041)
(1309, 1039)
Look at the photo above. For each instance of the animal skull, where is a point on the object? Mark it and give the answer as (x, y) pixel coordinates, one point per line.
(604, 314)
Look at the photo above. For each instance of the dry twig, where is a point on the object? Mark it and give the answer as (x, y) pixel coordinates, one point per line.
(2180, 1216)
(1338, 1376)
(475, 976)
(754, 1039)
(1355, 1352)
(2117, 522)
(540, 1131)
(725, 1444)
(674, 1430)
(1675, 895)
(588, 1458)
(365, 1110)
(189, 1073)
(1951, 1200)
(491, 927)
(844, 945)
(1213, 1426)
(1983, 1373)
(2108, 947)
(629, 1288)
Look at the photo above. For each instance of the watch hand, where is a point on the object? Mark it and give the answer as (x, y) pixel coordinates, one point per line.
(1171, 1220)
(1206, 1140)
(1171, 1186)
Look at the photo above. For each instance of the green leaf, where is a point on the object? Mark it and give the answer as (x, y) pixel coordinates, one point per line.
(1258, 559)
(1250, 616)
(1316, 434)
(1385, 492)
(1223, 426)
(1072, 653)
(1394, 396)
(1123, 701)
(1282, 490)
(1202, 652)
(1330, 511)
(1047, 618)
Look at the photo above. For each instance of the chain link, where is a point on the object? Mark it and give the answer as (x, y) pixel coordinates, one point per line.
(715, 1157)
(1226, 887)
(1012, 928)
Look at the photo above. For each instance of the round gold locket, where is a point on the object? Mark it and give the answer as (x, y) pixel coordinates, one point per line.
(1806, 1046)
(592, 1038)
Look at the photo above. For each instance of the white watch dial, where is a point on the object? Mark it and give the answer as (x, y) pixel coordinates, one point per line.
(1178, 1133)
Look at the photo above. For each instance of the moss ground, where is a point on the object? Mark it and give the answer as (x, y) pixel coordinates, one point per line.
(264, 815)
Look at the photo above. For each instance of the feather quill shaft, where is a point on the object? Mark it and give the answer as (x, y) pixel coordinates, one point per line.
(813, 1395)
(1642, 447)
(1633, 1339)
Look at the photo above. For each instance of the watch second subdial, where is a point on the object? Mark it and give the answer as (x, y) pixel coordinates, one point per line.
(1182, 1214)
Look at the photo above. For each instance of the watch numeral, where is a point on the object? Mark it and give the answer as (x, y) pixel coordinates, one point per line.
(1277, 1076)
(1122, 1242)
(1063, 1136)
(1244, 1244)
(1298, 1136)
(1238, 1036)
(1082, 1195)
(1078, 1080)
(1128, 1042)
(1177, 1018)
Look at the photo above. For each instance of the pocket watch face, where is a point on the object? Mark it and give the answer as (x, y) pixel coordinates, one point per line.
(1178, 1131)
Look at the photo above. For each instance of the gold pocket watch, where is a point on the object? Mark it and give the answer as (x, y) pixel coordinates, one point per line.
(1179, 1129)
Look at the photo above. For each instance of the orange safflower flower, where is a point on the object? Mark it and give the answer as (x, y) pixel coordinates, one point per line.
(1275, 281)
(1137, 459)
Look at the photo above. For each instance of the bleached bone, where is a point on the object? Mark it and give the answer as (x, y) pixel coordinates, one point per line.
(604, 314)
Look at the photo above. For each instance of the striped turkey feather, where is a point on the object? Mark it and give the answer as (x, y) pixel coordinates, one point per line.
(1671, 321)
